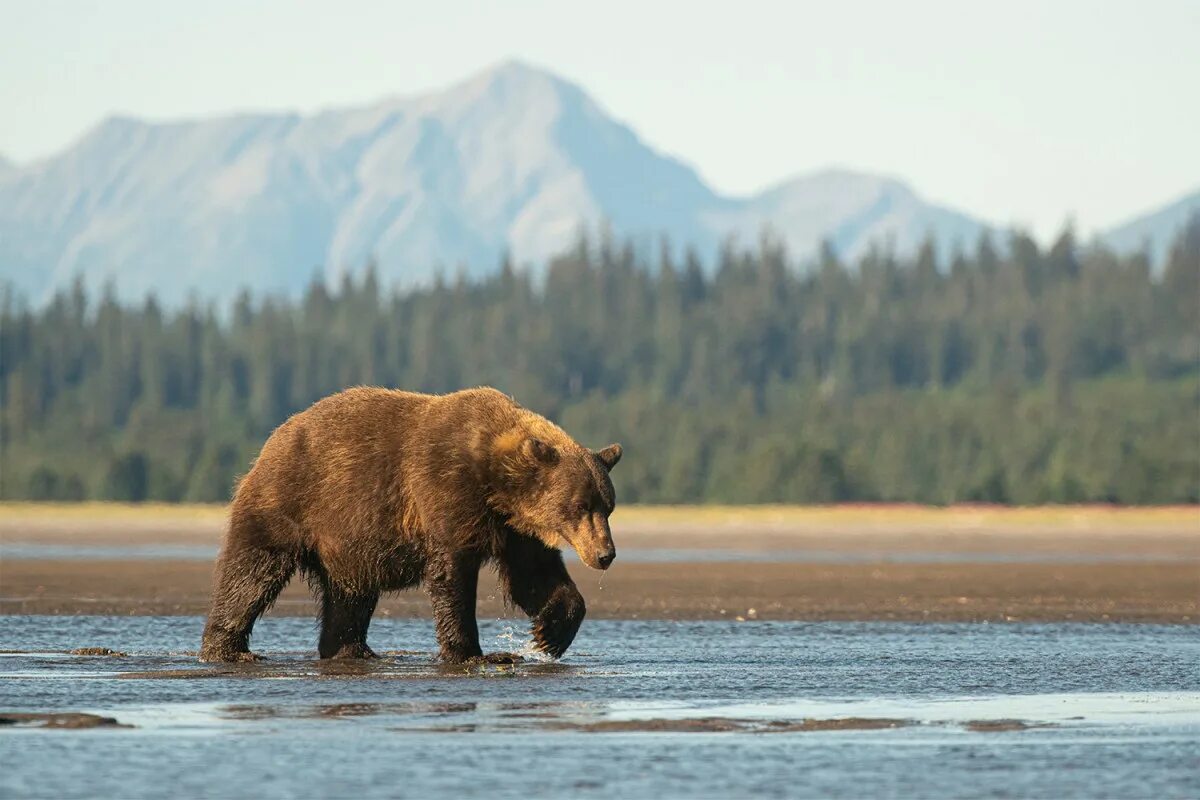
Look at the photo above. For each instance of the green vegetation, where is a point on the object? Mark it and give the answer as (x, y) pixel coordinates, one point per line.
(1012, 376)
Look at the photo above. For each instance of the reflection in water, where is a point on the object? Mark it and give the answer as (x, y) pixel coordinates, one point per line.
(337, 710)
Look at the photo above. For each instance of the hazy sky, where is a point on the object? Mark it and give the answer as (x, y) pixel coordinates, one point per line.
(1019, 112)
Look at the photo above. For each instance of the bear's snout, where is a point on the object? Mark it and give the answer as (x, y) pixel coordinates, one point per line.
(593, 542)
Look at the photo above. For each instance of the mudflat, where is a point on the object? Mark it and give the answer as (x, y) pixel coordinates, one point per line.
(761, 563)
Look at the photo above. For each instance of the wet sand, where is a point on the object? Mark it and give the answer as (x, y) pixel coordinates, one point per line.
(1133, 592)
(70, 720)
(984, 564)
(73, 720)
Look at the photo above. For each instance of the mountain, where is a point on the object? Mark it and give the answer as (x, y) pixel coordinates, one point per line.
(850, 210)
(512, 160)
(1154, 231)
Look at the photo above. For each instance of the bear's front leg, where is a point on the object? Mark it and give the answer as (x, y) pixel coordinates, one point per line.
(537, 581)
(452, 581)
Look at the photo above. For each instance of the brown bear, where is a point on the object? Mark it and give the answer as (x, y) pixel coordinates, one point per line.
(377, 490)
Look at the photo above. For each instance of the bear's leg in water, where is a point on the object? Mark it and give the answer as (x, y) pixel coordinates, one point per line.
(249, 576)
(344, 620)
(451, 579)
(536, 580)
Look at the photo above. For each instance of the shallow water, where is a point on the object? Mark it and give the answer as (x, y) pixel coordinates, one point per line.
(1082, 710)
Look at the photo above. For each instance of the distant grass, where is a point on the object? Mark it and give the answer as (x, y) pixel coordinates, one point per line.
(109, 511)
(1086, 517)
(958, 516)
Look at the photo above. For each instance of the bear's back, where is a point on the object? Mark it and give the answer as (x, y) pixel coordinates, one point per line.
(334, 455)
(351, 446)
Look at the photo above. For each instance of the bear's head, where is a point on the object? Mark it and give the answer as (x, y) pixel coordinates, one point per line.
(549, 487)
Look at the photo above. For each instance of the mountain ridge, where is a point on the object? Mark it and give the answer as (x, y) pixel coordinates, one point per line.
(1153, 231)
(513, 160)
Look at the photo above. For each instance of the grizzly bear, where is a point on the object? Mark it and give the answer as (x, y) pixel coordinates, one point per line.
(377, 490)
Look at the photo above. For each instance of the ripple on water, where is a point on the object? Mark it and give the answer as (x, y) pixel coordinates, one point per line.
(636, 709)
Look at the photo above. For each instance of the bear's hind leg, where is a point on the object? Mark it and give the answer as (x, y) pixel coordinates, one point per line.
(344, 621)
(248, 579)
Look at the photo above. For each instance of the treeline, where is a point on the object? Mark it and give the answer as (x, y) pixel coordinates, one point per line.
(1010, 374)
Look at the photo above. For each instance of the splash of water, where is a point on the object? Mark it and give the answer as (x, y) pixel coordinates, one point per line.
(509, 640)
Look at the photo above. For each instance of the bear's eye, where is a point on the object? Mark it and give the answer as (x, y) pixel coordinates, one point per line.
(582, 509)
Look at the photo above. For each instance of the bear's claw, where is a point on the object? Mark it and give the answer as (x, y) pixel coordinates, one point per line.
(549, 641)
(358, 650)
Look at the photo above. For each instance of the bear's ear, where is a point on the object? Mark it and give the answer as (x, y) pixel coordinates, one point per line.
(539, 451)
(609, 456)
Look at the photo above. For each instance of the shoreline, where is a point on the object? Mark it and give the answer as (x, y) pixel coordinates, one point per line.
(956, 564)
(966, 592)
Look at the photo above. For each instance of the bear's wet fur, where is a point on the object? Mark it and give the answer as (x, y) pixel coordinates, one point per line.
(377, 490)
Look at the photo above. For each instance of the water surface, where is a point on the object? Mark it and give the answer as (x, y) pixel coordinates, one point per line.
(635, 710)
